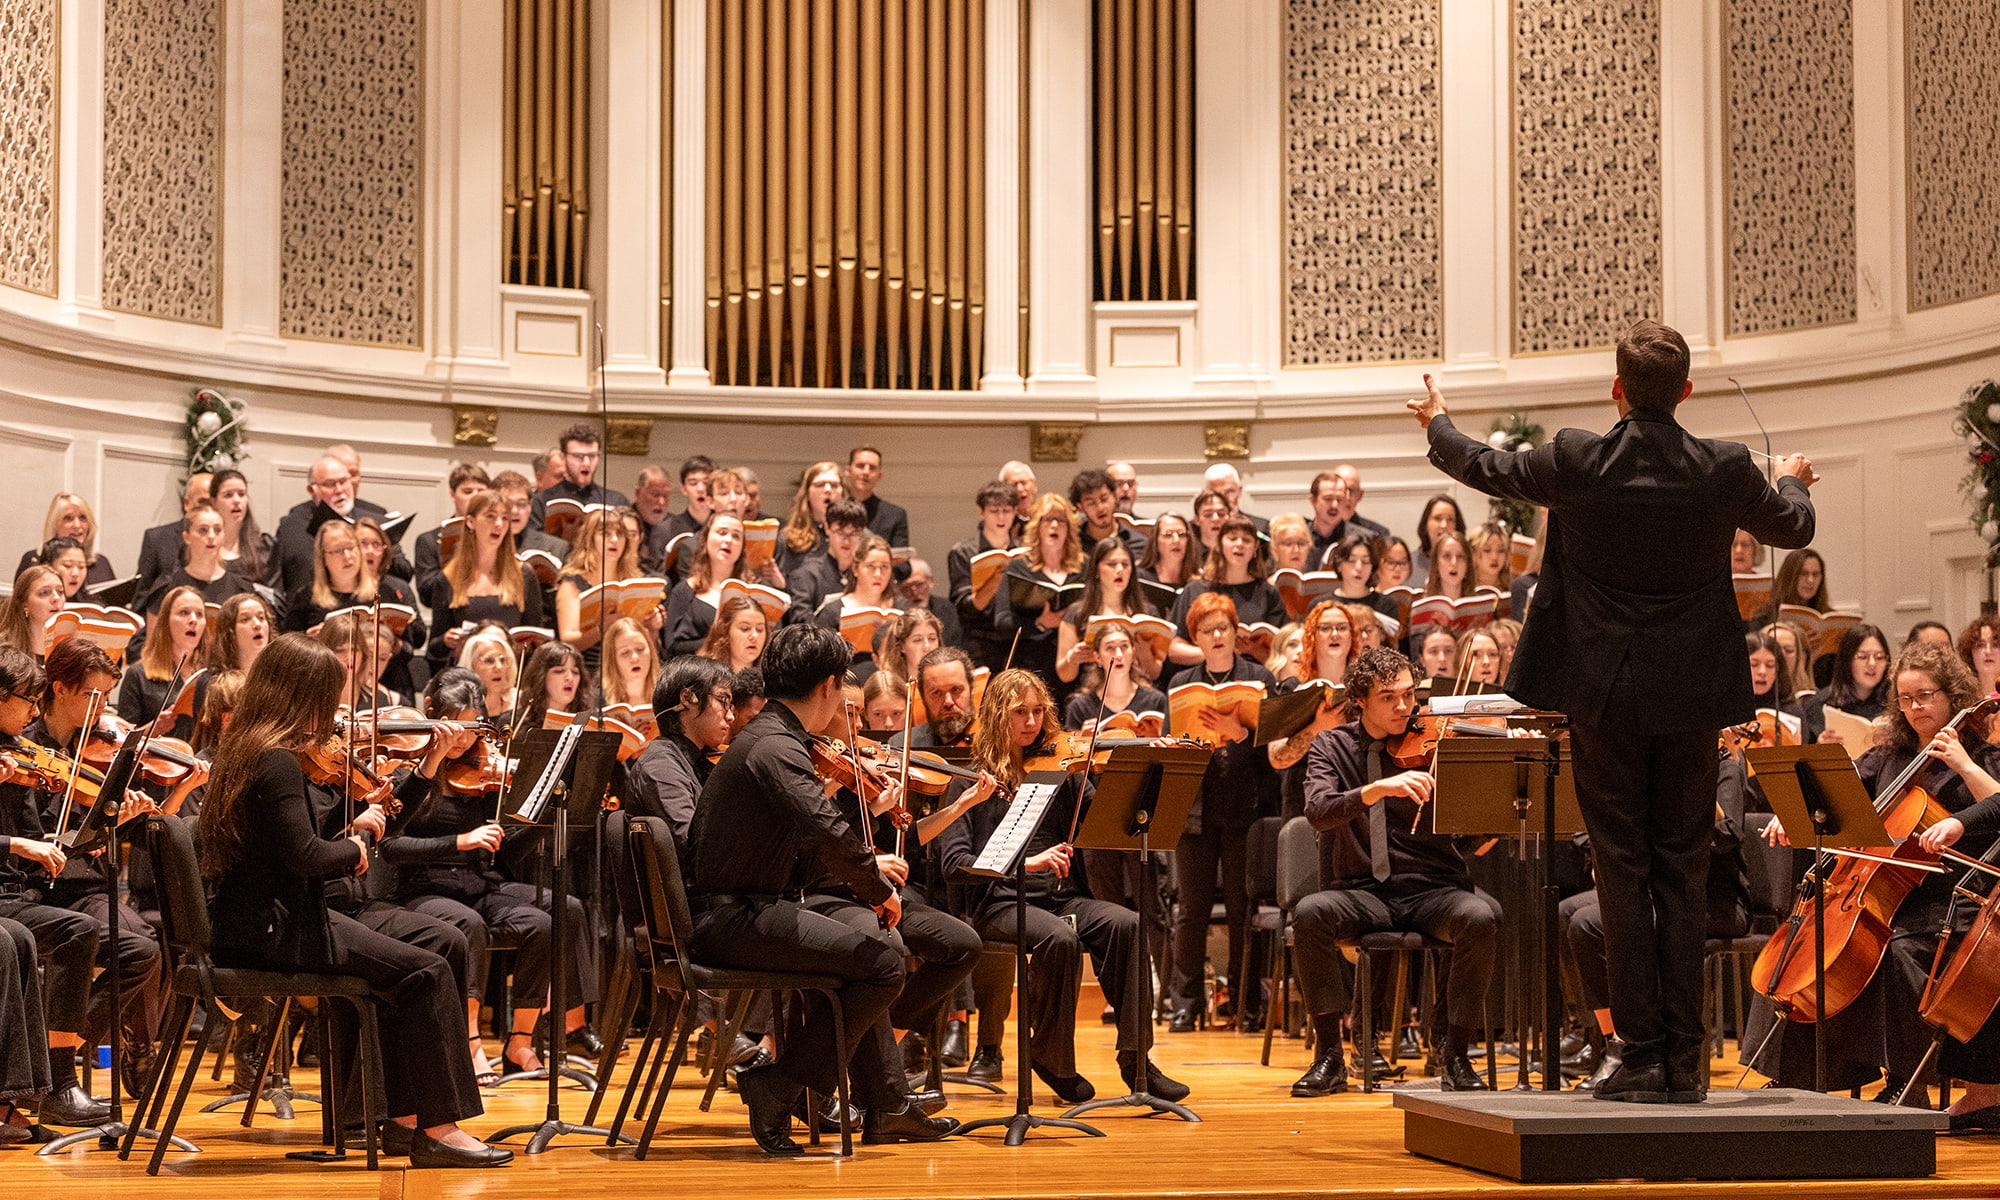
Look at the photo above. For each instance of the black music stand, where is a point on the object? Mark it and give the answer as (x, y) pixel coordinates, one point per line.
(1143, 790)
(1486, 787)
(1817, 787)
(1006, 853)
(560, 778)
(99, 828)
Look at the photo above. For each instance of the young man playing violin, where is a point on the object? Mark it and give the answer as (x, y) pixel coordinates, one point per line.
(1382, 871)
(765, 820)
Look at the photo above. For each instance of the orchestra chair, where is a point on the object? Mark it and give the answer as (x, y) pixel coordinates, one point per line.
(195, 981)
(1261, 926)
(678, 981)
(1294, 876)
(1726, 962)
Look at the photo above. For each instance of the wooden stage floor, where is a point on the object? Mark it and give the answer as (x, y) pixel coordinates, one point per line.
(1254, 1140)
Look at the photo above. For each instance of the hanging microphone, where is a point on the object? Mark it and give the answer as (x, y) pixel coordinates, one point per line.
(1769, 458)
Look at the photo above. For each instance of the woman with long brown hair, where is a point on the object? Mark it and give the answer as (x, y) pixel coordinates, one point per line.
(37, 596)
(1238, 570)
(1017, 715)
(805, 524)
(482, 582)
(1054, 556)
(736, 638)
(175, 646)
(717, 557)
(267, 867)
(606, 549)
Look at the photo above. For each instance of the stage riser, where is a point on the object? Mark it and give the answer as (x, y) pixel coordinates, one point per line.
(1579, 1158)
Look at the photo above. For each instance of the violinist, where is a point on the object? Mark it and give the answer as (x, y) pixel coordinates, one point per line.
(70, 516)
(607, 548)
(483, 581)
(24, 615)
(765, 818)
(176, 647)
(736, 639)
(267, 859)
(1879, 1031)
(1238, 571)
(80, 679)
(1016, 718)
(1379, 875)
(693, 703)
(24, 1033)
(1236, 789)
(633, 665)
(1329, 647)
(1111, 588)
(694, 603)
(944, 681)
(983, 640)
(443, 852)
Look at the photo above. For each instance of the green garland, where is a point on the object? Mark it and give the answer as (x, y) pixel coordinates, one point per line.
(213, 431)
(1978, 422)
(1514, 433)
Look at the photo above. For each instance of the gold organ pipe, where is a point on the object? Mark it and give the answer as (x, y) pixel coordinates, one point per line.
(753, 192)
(937, 192)
(894, 168)
(798, 146)
(776, 183)
(726, 368)
(1141, 36)
(956, 148)
(557, 104)
(846, 191)
(1123, 117)
(871, 187)
(1184, 149)
(712, 272)
(1106, 148)
(975, 193)
(916, 179)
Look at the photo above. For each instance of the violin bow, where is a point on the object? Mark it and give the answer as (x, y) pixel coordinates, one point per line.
(907, 714)
(69, 793)
(513, 727)
(860, 787)
(1076, 811)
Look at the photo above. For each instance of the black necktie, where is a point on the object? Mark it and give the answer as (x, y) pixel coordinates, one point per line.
(1378, 818)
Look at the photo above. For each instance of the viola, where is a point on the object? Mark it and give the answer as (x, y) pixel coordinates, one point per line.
(835, 763)
(168, 762)
(478, 771)
(1861, 900)
(332, 764)
(1416, 749)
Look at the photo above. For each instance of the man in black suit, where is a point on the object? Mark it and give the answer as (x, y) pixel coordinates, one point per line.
(1634, 635)
(332, 488)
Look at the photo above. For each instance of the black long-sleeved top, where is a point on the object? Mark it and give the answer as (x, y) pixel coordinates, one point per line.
(1239, 785)
(563, 489)
(665, 781)
(689, 618)
(1085, 706)
(269, 906)
(422, 846)
(976, 623)
(961, 842)
(1255, 601)
(447, 616)
(810, 579)
(292, 564)
(764, 826)
(1336, 770)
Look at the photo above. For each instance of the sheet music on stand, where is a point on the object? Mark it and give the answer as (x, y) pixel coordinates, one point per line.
(1024, 816)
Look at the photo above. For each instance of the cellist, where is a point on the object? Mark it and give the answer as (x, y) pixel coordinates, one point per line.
(1879, 1032)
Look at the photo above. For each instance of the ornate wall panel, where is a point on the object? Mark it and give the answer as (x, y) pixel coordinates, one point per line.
(1953, 72)
(1790, 107)
(1363, 184)
(163, 157)
(1586, 107)
(353, 170)
(28, 144)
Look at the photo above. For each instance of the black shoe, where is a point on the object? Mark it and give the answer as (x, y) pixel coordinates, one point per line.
(828, 1116)
(1978, 1120)
(1609, 1060)
(1182, 1021)
(1636, 1081)
(952, 1051)
(427, 1151)
(1252, 1022)
(70, 1105)
(1686, 1082)
(1070, 1089)
(136, 1067)
(770, 1097)
(985, 1064)
(909, 1125)
(585, 1040)
(1157, 1083)
(1380, 1067)
(930, 1103)
(1326, 1077)
(1455, 1074)
(916, 1054)
(397, 1139)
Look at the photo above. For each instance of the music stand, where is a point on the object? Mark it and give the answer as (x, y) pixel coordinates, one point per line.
(1487, 787)
(1006, 853)
(1143, 790)
(560, 777)
(1817, 787)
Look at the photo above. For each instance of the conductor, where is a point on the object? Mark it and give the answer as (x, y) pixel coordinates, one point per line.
(1634, 635)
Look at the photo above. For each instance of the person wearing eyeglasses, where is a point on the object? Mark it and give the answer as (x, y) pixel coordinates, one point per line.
(582, 456)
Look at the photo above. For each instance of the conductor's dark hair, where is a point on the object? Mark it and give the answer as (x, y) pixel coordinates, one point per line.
(1653, 366)
(800, 658)
(688, 673)
(1373, 669)
(453, 690)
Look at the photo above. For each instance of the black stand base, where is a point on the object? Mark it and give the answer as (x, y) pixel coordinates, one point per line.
(108, 1136)
(1137, 1100)
(281, 1101)
(576, 1075)
(543, 1132)
(969, 1081)
(1765, 1133)
(1018, 1124)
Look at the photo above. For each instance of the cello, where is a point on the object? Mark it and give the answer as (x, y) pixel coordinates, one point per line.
(1862, 895)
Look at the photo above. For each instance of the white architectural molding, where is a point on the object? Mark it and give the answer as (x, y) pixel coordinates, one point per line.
(1002, 370)
(1059, 199)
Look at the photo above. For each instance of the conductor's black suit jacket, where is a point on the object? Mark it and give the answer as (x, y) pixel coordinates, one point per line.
(1635, 596)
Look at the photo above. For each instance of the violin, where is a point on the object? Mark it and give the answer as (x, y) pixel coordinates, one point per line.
(478, 771)
(38, 766)
(630, 740)
(1075, 751)
(399, 733)
(331, 764)
(168, 762)
(1416, 749)
(835, 763)
(1862, 896)
(929, 775)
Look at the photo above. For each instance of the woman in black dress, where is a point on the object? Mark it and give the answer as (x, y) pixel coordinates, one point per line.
(1239, 570)
(267, 867)
(482, 582)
